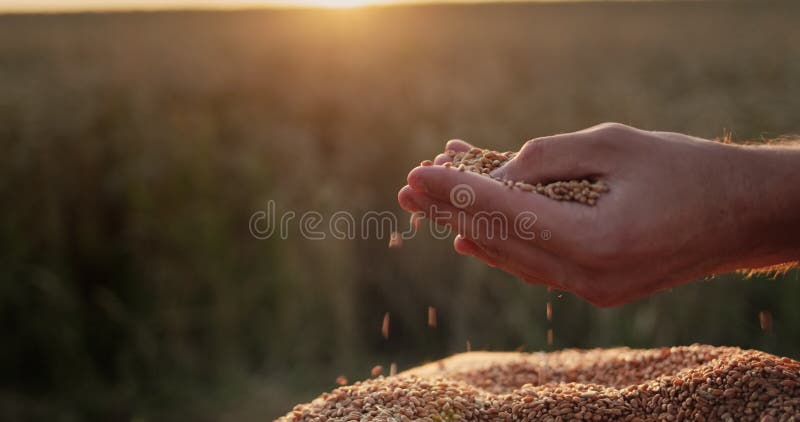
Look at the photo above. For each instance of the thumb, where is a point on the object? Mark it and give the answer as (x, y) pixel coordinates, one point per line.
(552, 158)
(456, 145)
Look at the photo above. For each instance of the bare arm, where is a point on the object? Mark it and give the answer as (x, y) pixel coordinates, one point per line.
(773, 216)
(679, 207)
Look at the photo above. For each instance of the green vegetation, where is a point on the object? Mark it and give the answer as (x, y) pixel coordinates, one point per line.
(135, 148)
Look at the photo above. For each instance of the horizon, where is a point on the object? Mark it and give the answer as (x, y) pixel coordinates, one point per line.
(67, 6)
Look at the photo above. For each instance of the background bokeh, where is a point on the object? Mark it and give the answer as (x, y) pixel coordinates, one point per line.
(135, 147)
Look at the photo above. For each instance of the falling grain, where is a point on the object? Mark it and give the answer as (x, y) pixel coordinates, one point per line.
(385, 326)
(765, 320)
(341, 380)
(549, 336)
(549, 311)
(432, 317)
(393, 369)
(395, 240)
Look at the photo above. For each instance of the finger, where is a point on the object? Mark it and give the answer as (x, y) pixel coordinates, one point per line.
(474, 193)
(465, 246)
(485, 226)
(441, 159)
(529, 268)
(493, 236)
(527, 263)
(456, 145)
(560, 157)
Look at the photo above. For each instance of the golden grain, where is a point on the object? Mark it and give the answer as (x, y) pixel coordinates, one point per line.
(395, 241)
(765, 320)
(483, 162)
(696, 382)
(385, 326)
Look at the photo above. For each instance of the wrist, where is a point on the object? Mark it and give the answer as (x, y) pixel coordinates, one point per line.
(767, 199)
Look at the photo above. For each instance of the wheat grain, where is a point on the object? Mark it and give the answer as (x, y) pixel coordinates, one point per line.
(483, 162)
(385, 326)
(395, 240)
(698, 383)
(432, 320)
(765, 320)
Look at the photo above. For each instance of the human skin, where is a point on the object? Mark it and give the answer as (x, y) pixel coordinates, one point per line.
(678, 208)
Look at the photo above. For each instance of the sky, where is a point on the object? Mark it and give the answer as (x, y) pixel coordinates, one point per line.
(80, 5)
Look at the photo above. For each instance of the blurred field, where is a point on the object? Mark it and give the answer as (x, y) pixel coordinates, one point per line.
(135, 147)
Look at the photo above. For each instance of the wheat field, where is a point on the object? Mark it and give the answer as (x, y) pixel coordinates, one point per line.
(136, 147)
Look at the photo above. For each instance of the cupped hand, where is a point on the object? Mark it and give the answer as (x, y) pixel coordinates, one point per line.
(678, 207)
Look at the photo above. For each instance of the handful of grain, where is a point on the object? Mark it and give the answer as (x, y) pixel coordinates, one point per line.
(483, 162)
(680, 383)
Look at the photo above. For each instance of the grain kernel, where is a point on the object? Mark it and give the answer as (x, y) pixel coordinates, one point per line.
(482, 161)
(385, 326)
(432, 317)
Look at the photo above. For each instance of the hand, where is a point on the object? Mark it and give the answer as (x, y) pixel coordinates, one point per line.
(679, 207)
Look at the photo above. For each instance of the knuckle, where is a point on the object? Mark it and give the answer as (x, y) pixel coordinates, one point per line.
(610, 133)
(535, 148)
(453, 143)
(528, 147)
(612, 127)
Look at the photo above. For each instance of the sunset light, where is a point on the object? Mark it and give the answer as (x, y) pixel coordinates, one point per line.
(103, 5)
(338, 4)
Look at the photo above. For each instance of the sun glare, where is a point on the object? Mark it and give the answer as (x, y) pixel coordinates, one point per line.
(340, 4)
(102, 5)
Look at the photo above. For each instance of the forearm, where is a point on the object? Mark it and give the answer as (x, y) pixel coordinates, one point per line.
(770, 205)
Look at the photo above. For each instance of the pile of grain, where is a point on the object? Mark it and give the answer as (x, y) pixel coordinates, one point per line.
(483, 161)
(681, 383)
